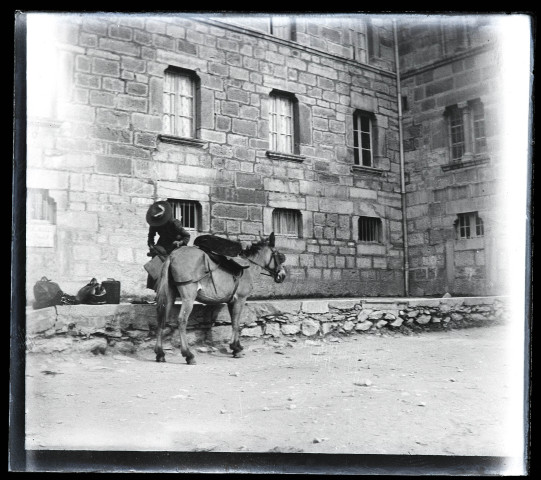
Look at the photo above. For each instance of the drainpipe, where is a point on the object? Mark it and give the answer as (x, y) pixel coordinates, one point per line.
(402, 167)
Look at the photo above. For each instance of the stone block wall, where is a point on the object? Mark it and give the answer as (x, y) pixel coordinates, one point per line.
(103, 159)
(128, 328)
(439, 73)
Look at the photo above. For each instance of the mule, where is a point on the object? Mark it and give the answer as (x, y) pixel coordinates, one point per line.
(216, 285)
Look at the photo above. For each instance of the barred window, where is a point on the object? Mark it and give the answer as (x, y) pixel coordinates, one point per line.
(363, 144)
(469, 225)
(287, 222)
(179, 103)
(370, 229)
(40, 207)
(281, 123)
(188, 212)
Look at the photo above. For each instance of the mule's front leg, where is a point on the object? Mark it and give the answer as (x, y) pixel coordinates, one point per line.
(185, 310)
(235, 309)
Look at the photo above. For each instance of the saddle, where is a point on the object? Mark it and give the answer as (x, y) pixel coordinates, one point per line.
(222, 251)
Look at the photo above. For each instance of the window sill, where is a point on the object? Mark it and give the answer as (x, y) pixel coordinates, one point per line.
(194, 142)
(458, 164)
(369, 170)
(285, 156)
(473, 243)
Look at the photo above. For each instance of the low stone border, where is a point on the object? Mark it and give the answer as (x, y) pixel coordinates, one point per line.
(127, 327)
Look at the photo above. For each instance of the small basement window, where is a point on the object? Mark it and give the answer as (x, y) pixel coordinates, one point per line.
(188, 212)
(287, 222)
(370, 229)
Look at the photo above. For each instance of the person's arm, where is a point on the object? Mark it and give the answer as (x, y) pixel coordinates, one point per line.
(151, 234)
(182, 235)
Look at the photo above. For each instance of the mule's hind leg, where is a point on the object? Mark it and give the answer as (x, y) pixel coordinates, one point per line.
(235, 309)
(164, 314)
(187, 294)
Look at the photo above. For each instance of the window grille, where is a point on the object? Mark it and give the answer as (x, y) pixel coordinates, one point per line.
(286, 222)
(370, 229)
(469, 225)
(40, 207)
(362, 139)
(281, 124)
(188, 212)
(179, 104)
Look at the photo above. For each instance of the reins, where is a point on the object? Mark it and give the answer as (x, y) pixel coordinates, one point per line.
(271, 272)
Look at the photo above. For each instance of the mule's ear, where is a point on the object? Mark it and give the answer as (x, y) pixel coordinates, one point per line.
(271, 239)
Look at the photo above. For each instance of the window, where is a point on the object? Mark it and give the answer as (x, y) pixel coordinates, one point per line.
(456, 125)
(282, 123)
(469, 225)
(372, 40)
(370, 229)
(188, 212)
(467, 136)
(479, 127)
(363, 138)
(40, 207)
(179, 103)
(282, 27)
(287, 222)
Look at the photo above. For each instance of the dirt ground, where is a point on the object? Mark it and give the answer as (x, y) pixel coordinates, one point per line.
(439, 393)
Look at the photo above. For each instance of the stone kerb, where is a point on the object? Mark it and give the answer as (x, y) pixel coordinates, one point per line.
(126, 327)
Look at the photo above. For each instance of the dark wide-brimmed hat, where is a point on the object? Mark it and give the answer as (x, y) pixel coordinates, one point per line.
(159, 213)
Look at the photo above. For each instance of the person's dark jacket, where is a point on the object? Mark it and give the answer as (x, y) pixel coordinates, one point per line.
(171, 232)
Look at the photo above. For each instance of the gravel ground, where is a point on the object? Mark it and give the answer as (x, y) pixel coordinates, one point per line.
(439, 393)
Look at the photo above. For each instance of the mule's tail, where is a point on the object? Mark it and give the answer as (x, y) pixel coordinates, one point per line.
(162, 286)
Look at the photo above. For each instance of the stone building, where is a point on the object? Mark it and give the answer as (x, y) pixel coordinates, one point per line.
(260, 124)
(451, 84)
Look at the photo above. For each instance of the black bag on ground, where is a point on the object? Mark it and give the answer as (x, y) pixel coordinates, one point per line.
(46, 294)
(92, 293)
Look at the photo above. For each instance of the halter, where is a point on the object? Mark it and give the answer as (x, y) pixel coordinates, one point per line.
(272, 272)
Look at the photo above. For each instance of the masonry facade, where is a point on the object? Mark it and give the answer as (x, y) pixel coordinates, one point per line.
(450, 86)
(253, 127)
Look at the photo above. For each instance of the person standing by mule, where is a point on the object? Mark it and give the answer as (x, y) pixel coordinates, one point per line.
(171, 233)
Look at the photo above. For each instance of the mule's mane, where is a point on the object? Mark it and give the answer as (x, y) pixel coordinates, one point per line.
(254, 249)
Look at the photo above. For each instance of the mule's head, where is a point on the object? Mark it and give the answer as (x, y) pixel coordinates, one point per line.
(277, 263)
(269, 258)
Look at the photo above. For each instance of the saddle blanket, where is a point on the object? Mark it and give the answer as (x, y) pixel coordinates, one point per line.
(190, 264)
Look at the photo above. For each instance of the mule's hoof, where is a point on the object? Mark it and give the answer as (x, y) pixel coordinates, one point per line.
(191, 361)
(238, 354)
(160, 358)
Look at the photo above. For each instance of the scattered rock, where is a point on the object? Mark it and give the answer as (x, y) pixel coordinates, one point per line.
(363, 383)
(447, 295)
(319, 440)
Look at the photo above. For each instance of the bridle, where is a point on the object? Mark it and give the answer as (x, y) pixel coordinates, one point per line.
(275, 256)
